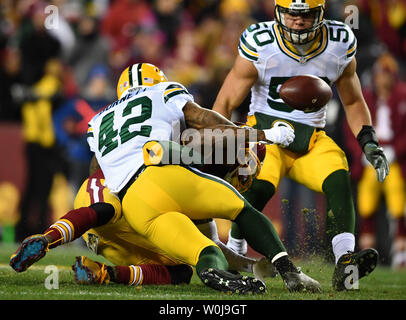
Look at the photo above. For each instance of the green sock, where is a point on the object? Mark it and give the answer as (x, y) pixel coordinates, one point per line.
(258, 196)
(211, 257)
(341, 212)
(259, 232)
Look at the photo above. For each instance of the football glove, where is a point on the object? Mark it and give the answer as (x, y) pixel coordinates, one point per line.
(281, 135)
(377, 158)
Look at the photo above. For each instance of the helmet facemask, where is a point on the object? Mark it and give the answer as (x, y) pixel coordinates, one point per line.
(295, 36)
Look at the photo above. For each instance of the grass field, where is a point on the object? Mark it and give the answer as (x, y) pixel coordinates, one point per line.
(382, 284)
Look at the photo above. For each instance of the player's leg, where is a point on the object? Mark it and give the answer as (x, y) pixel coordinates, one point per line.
(325, 169)
(369, 193)
(200, 196)
(260, 268)
(88, 271)
(395, 195)
(94, 206)
(261, 191)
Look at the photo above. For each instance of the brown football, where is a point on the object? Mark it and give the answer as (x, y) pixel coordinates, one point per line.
(306, 92)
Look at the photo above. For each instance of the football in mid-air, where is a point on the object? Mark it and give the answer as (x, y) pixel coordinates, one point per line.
(306, 93)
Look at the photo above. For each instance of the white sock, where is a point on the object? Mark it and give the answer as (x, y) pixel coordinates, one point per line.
(237, 245)
(342, 243)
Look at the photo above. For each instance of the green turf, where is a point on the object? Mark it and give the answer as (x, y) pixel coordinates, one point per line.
(382, 284)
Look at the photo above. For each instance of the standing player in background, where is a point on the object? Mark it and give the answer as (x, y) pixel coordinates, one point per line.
(300, 41)
(387, 101)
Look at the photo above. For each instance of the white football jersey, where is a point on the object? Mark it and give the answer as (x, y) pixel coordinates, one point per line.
(262, 44)
(117, 134)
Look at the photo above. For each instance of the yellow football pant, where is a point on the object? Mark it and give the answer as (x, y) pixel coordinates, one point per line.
(162, 201)
(370, 191)
(116, 240)
(310, 169)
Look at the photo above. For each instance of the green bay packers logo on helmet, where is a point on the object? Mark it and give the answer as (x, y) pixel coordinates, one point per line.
(139, 75)
(311, 12)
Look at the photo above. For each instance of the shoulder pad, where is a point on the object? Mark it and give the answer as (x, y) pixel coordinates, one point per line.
(173, 89)
(254, 38)
(344, 38)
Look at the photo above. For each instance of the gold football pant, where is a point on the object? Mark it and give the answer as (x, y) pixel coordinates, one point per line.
(370, 191)
(163, 200)
(310, 169)
(323, 168)
(116, 240)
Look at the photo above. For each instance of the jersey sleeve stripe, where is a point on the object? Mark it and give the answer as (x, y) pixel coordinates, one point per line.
(89, 132)
(248, 56)
(168, 91)
(352, 49)
(248, 47)
(174, 93)
(247, 50)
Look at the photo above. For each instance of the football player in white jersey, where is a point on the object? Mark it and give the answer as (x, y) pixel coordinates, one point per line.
(160, 193)
(300, 41)
(160, 201)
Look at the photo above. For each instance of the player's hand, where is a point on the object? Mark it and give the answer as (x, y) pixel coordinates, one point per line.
(281, 135)
(377, 158)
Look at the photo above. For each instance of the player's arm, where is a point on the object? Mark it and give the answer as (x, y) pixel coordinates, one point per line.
(359, 119)
(201, 118)
(350, 92)
(236, 87)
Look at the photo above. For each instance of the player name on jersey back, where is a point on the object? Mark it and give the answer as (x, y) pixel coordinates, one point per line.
(117, 134)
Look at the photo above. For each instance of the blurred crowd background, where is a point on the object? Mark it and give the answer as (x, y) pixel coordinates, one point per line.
(60, 61)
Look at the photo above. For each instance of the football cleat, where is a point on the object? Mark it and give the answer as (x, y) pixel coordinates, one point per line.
(300, 282)
(232, 283)
(364, 261)
(30, 251)
(88, 271)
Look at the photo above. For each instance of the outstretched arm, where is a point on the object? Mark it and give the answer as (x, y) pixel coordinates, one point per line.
(200, 118)
(359, 119)
(356, 109)
(236, 87)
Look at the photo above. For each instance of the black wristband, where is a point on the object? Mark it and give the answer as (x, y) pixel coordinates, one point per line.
(367, 134)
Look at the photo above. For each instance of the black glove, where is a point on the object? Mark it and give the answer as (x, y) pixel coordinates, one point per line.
(368, 141)
(377, 158)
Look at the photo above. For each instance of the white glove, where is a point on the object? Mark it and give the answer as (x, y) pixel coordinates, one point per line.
(282, 135)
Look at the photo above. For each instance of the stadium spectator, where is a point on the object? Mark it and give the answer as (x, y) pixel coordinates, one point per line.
(91, 49)
(121, 18)
(37, 45)
(10, 79)
(389, 20)
(387, 102)
(41, 154)
(71, 118)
